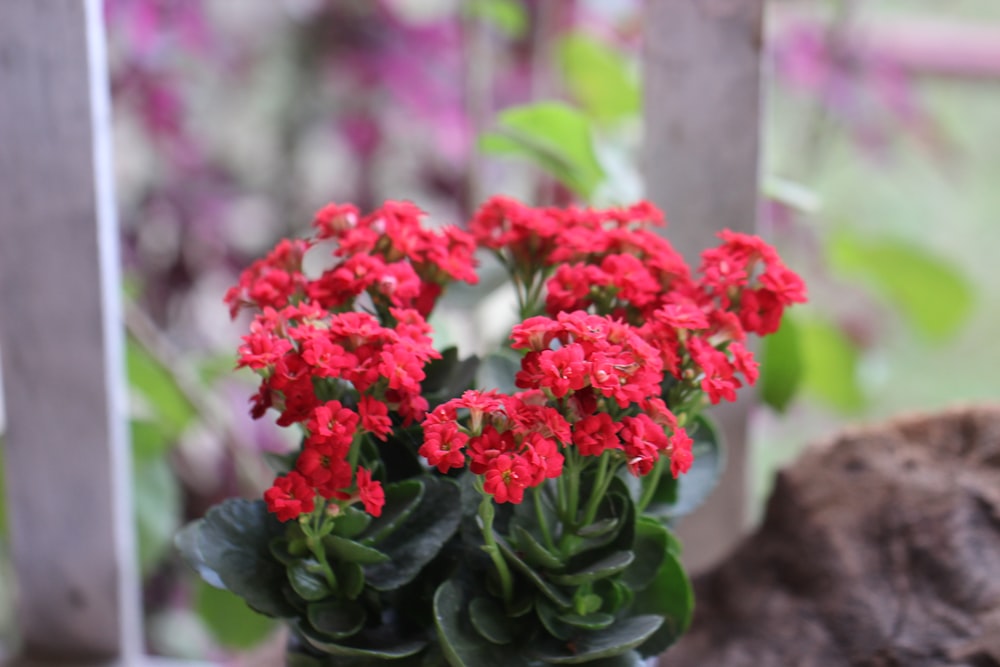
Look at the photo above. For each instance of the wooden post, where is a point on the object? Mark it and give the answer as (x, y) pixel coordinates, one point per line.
(66, 449)
(702, 122)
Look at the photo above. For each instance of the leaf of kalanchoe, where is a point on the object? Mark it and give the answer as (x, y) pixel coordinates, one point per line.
(534, 553)
(608, 566)
(337, 619)
(596, 621)
(350, 579)
(650, 547)
(671, 596)
(341, 548)
(489, 620)
(416, 541)
(230, 549)
(448, 377)
(617, 505)
(401, 499)
(675, 498)
(381, 644)
(620, 638)
(535, 577)
(307, 582)
(351, 522)
(461, 644)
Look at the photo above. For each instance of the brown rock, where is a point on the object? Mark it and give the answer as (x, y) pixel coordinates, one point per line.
(879, 548)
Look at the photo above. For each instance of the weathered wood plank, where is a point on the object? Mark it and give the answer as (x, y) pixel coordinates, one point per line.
(702, 120)
(66, 455)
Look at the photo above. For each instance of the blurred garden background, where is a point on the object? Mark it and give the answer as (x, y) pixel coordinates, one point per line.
(234, 121)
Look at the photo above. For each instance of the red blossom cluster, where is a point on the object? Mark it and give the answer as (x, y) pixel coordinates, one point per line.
(609, 310)
(337, 372)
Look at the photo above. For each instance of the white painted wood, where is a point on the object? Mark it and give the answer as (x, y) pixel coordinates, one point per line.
(66, 447)
(701, 69)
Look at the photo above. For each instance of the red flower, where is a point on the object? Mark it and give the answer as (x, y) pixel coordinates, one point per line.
(290, 496)
(507, 477)
(375, 417)
(443, 444)
(371, 493)
(595, 434)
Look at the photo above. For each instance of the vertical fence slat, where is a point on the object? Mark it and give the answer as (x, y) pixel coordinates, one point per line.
(66, 456)
(701, 67)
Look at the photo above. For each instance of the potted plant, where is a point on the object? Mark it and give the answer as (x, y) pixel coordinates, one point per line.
(428, 519)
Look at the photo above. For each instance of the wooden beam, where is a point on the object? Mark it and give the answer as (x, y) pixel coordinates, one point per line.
(701, 69)
(66, 449)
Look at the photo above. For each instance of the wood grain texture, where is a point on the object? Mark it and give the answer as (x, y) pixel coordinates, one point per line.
(64, 444)
(702, 78)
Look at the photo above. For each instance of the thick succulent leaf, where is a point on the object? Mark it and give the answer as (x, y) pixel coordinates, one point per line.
(307, 583)
(401, 498)
(350, 579)
(621, 637)
(341, 548)
(650, 547)
(671, 596)
(602, 568)
(598, 528)
(337, 619)
(489, 620)
(448, 377)
(675, 498)
(547, 589)
(351, 522)
(461, 644)
(375, 645)
(549, 617)
(230, 549)
(534, 553)
(418, 540)
(616, 505)
(596, 621)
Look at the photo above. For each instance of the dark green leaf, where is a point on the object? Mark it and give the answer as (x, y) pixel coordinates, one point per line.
(598, 528)
(401, 498)
(930, 292)
(337, 619)
(669, 595)
(448, 377)
(350, 579)
(460, 643)
(554, 136)
(781, 365)
(341, 548)
(351, 522)
(308, 582)
(232, 623)
(830, 363)
(547, 589)
(534, 553)
(548, 614)
(624, 635)
(594, 621)
(607, 566)
(696, 484)
(490, 621)
(598, 77)
(419, 539)
(230, 548)
(380, 644)
(650, 547)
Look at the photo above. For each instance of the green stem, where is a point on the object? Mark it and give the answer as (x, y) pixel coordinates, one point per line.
(486, 514)
(600, 487)
(574, 489)
(314, 540)
(649, 486)
(543, 524)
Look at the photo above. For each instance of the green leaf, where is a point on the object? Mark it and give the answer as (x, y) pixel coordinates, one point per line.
(490, 621)
(230, 548)
(549, 617)
(598, 77)
(541, 583)
(401, 498)
(172, 410)
(624, 635)
(509, 16)
(650, 547)
(830, 365)
(781, 365)
(350, 579)
(670, 596)
(607, 566)
(351, 522)
(231, 622)
(448, 377)
(419, 539)
(337, 619)
(376, 645)
(306, 580)
(594, 621)
(341, 548)
(554, 136)
(157, 504)
(461, 644)
(933, 296)
(534, 553)
(598, 528)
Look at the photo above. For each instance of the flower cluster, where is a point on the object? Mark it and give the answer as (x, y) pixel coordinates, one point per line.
(339, 373)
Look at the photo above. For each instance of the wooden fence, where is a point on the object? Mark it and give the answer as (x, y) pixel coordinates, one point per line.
(66, 446)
